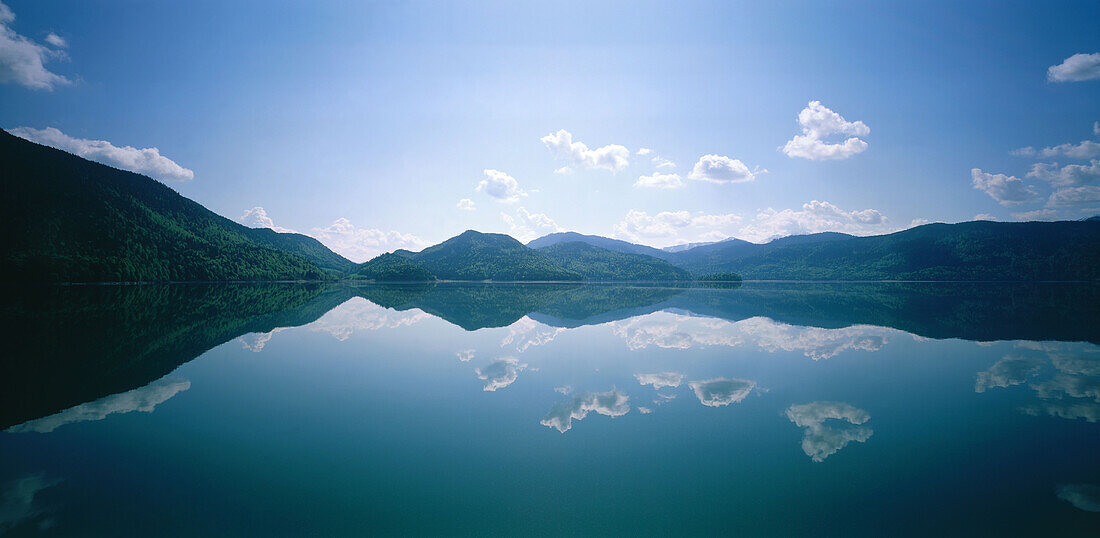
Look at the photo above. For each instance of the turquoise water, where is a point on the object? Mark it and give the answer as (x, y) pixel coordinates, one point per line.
(765, 409)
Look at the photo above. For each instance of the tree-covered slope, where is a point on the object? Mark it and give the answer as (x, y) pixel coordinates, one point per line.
(70, 219)
(595, 240)
(392, 268)
(301, 245)
(595, 263)
(970, 251)
(479, 256)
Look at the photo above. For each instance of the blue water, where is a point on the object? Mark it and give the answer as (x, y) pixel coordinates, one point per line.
(767, 409)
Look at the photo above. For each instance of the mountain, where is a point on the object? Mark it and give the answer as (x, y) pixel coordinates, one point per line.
(596, 263)
(303, 246)
(978, 250)
(713, 257)
(392, 267)
(688, 246)
(72, 220)
(595, 240)
(479, 256)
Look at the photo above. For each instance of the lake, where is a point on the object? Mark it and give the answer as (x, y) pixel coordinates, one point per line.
(760, 409)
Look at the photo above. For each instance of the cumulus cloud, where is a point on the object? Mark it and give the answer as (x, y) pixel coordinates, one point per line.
(720, 391)
(813, 342)
(526, 333)
(669, 330)
(358, 314)
(1038, 214)
(822, 438)
(1006, 190)
(815, 216)
(1009, 370)
(722, 169)
(644, 410)
(257, 218)
(611, 403)
(660, 181)
(501, 186)
(661, 162)
(612, 157)
(146, 161)
(660, 380)
(465, 355)
(566, 389)
(1086, 149)
(1068, 386)
(17, 503)
(1082, 496)
(644, 151)
(565, 170)
(984, 216)
(56, 40)
(1089, 412)
(1076, 68)
(466, 204)
(144, 399)
(22, 61)
(500, 373)
(525, 225)
(1075, 196)
(362, 244)
(818, 122)
(675, 227)
(1067, 176)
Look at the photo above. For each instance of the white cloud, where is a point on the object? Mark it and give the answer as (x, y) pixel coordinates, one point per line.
(358, 314)
(674, 227)
(820, 441)
(1096, 127)
(143, 399)
(644, 151)
(501, 186)
(56, 40)
(466, 204)
(814, 217)
(814, 342)
(1082, 496)
(257, 218)
(661, 162)
(720, 391)
(818, 122)
(721, 169)
(500, 373)
(22, 61)
(984, 216)
(465, 355)
(146, 161)
(1009, 370)
(1086, 149)
(565, 170)
(1076, 68)
(362, 244)
(1073, 196)
(660, 380)
(612, 157)
(525, 226)
(1069, 175)
(1038, 214)
(526, 333)
(644, 410)
(611, 403)
(660, 181)
(1006, 190)
(566, 389)
(1068, 386)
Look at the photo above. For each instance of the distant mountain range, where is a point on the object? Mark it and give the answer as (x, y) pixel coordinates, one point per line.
(67, 219)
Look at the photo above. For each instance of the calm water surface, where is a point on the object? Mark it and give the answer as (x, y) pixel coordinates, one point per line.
(766, 409)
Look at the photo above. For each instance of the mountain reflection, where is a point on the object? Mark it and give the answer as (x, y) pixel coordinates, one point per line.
(72, 345)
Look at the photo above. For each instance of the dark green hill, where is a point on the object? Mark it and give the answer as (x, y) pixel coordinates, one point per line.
(595, 240)
(595, 263)
(302, 245)
(392, 268)
(479, 256)
(70, 219)
(968, 251)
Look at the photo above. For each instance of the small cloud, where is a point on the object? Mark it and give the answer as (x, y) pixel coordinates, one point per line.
(644, 151)
(660, 181)
(466, 204)
(1009, 370)
(612, 157)
(146, 161)
(660, 380)
(722, 169)
(661, 162)
(819, 122)
(525, 226)
(820, 440)
(1075, 196)
(501, 186)
(1082, 496)
(22, 61)
(984, 216)
(564, 171)
(664, 398)
(56, 40)
(1006, 190)
(1085, 149)
(644, 410)
(919, 222)
(561, 416)
(465, 355)
(1038, 214)
(813, 217)
(18, 502)
(1069, 175)
(674, 227)
(720, 391)
(257, 218)
(564, 390)
(143, 399)
(1076, 68)
(500, 373)
(362, 244)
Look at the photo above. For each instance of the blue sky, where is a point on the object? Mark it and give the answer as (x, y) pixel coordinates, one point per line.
(367, 124)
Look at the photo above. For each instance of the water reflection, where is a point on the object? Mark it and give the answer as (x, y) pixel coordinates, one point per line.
(19, 506)
(829, 427)
(144, 399)
(720, 391)
(612, 403)
(1083, 496)
(500, 373)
